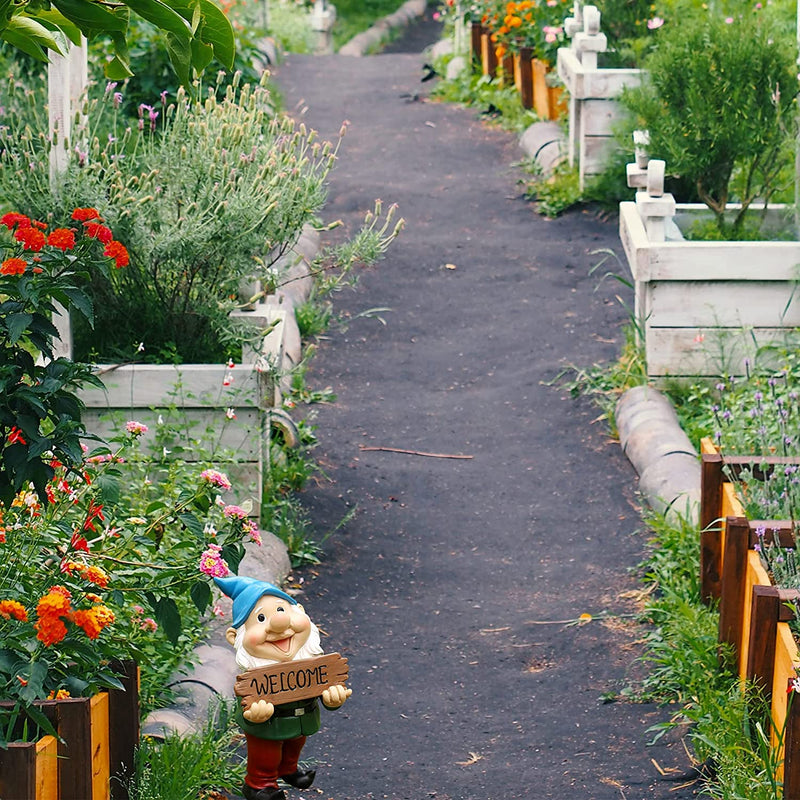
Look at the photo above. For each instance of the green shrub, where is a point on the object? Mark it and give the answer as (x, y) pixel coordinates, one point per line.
(719, 105)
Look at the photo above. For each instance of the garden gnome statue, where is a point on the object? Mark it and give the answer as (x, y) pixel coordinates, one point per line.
(271, 628)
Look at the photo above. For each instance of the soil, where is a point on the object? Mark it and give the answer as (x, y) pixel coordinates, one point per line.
(456, 588)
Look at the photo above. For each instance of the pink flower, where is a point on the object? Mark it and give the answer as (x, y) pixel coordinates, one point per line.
(212, 563)
(728, 20)
(251, 529)
(149, 624)
(218, 611)
(234, 512)
(230, 414)
(136, 428)
(654, 23)
(216, 478)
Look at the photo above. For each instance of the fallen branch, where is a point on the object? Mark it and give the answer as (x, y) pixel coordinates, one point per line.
(411, 452)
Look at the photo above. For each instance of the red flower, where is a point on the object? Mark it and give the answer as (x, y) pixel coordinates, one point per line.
(118, 252)
(95, 512)
(31, 238)
(83, 214)
(63, 238)
(78, 542)
(13, 266)
(94, 230)
(13, 218)
(16, 437)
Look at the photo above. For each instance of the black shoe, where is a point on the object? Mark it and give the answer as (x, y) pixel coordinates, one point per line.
(267, 793)
(301, 779)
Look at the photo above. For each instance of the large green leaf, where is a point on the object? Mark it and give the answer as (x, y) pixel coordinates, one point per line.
(215, 28)
(57, 19)
(90, 17)
(180, 56)
(32, 37)
(162, 16)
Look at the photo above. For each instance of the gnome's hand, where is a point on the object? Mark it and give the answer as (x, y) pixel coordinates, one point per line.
(260, 711)
(334, 696)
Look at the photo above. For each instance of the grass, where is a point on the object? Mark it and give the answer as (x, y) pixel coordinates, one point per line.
(731, 748)
(355, 16)
(190, 767)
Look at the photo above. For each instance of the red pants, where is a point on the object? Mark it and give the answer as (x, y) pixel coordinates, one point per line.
(270, 759)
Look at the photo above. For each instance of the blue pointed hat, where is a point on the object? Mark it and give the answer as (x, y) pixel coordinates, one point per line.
(245, 593)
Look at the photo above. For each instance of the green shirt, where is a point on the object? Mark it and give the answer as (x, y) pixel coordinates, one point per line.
(285, 723)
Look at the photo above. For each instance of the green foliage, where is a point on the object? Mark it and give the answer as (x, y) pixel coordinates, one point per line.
(719, 104)
(682, 652)
(195, 32)
(206, 195)
(496, 103)
(556, 193)
(355, 16)
(209, 761)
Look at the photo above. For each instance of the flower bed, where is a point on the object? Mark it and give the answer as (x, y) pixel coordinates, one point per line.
(754, 616)
(703, 307)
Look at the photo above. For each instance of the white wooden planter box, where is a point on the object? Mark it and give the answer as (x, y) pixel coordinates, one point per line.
(593, 110)
(703, 308)
(195, 397)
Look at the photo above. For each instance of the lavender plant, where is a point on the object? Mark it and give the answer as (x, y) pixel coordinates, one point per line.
(759, 416)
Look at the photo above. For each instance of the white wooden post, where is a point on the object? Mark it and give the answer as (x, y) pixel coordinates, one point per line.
(67, 79)
(637, 172)
(589, 42)
(574, 23)
(654, 205)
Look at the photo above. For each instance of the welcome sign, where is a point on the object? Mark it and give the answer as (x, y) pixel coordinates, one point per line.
(291, 681)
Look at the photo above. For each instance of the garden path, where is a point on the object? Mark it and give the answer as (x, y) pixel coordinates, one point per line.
(447, 588)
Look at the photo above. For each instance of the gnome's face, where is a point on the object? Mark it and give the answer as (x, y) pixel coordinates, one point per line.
(275, 629)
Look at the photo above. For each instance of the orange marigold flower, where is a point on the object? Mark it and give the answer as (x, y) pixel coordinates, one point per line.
(87, 620)
(50, 630)
(61, 694)
(104, 615)
(11, 608)
(60, 590)
(94, 598)
(95, 575)
(62, 238)
(13, 219)
(94, 230)
(84, 214)
(13, 266)
(31, 238)
(118, 252)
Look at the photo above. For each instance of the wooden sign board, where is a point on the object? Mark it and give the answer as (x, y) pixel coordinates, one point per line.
(291, 681)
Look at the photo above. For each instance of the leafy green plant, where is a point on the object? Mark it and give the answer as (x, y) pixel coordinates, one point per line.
(731, 83)
(555, 193)
(40, 412)
(498, 104)
(103, 563)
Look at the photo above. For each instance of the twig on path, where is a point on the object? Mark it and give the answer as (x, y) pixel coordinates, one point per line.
(411, 452)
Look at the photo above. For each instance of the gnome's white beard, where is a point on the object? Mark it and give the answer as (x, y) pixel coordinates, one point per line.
(310, 649)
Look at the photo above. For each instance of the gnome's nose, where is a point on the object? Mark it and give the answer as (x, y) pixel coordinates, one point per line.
(279, 621)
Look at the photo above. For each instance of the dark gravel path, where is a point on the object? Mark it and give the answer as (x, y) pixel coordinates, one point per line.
(439, 588)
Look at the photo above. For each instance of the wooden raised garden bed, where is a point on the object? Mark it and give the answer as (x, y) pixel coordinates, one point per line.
(95, 756)
(705, 307)
(753, 614)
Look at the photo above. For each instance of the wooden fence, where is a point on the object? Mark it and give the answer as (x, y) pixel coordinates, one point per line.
(754, 615)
